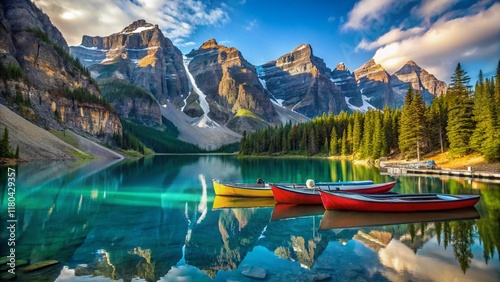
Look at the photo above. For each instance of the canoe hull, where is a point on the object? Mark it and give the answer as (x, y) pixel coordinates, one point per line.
(246, 190)
(396, 203)
(304, 196)
(284, 195)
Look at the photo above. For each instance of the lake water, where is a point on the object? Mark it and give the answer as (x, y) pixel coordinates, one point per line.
(157, 219)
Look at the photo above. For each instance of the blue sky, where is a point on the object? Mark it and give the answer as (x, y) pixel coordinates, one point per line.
(436, 34)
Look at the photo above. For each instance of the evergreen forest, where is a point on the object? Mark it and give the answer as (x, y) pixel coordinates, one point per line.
(464, 120)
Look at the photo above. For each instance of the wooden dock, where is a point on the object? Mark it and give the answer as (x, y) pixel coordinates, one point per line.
(404, 170)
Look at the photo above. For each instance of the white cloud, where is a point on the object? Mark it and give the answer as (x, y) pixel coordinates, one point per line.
(446, 42)
(177, 18)
(184, 44)
(366, 11)
(430, 8)
(394, 35)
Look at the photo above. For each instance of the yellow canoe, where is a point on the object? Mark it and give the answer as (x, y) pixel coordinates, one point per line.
(225, 202)
(241, 189)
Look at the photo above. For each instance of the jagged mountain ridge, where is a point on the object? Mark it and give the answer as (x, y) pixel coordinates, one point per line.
(297, 80)
(344, 79)
(56, 92)
(419, 79)
(135, 55)
(139, 54)
(230, 84)
(302, 82)
(374, 83)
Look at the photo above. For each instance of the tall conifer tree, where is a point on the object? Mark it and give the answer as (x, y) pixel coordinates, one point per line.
(368, 130)
(438, 119)
(333, 142)
(483, 113)
(418, 115)
(459, 103)
(357, 132)
(406, 133)
(343, 149)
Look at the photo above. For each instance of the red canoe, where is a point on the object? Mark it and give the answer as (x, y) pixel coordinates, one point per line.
(288, 194)
(396, 202)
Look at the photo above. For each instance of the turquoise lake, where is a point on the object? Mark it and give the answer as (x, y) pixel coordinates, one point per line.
(157, 219)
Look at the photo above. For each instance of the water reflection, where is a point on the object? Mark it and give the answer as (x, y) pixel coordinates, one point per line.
(157, 219)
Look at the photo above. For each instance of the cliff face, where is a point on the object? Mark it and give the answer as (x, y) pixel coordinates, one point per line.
(374, 83)
(344, 79)
(32, 45)
(229, 83)
(420, 80)
(139, 54)
(131, 102)
(302, 81)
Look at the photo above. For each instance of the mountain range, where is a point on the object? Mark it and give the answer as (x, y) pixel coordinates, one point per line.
(212, 94)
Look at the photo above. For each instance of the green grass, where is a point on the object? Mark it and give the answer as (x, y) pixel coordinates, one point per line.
(65, 137)
(248, 114)
(71, 140)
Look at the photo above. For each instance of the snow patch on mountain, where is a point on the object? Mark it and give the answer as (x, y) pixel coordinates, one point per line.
(204, 121)
(139, 29)
(364, 108)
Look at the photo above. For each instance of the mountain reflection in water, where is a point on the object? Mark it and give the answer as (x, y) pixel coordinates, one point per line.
(157, 219)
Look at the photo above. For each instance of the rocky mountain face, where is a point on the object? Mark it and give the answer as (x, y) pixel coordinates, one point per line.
(344, 79)
(375, 83)
(302, 82)
(141, 55)
(131, 102)
(229, 84)
(47, 86)
(419, 79)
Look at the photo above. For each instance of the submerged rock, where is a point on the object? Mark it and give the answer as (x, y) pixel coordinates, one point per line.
(320, 277)
(39, 265)
(254, 272)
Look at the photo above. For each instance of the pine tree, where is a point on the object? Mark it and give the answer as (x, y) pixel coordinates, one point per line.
(325, 146)
(483, 114)
(486, 136)
(333, 142)
(378, 137)
(497, 91)
(387, 132)
(244, 144)
(303, 142)
(406, 133)
(460, 122)
(285, 141)
(357, 132)
(368, 129)
(349, 138)
(418, 113)
(344, 146)
(438, 119)
(313, 145)
(4, 144)
(294, 138)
